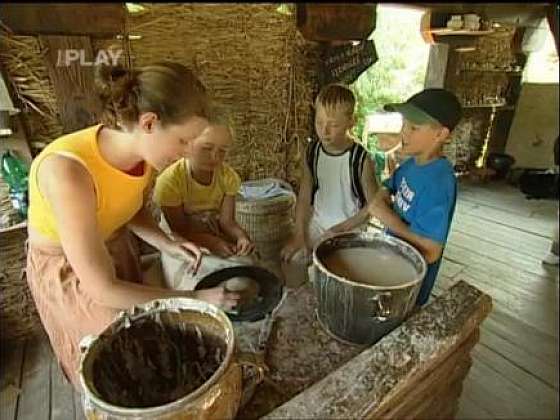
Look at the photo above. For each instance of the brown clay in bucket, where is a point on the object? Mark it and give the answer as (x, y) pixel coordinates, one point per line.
(153, 362)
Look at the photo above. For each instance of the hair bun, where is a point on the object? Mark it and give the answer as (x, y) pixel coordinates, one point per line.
(117, 89)
(170, 90)
(107, 78)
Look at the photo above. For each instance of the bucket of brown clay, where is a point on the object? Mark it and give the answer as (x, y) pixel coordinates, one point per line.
(167, 359)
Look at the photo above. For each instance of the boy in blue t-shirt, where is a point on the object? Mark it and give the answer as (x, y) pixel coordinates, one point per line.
(418, 201)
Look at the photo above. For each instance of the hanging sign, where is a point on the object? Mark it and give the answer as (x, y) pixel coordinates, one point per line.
(346, 62)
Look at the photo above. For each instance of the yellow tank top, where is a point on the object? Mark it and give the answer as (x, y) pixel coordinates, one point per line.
(119, 195)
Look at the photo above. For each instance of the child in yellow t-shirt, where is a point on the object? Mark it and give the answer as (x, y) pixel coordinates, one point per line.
(196, 196)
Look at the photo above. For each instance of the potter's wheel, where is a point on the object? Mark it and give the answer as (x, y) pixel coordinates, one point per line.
(260, 290)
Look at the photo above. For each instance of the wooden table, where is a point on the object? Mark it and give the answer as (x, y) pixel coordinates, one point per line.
(415, 371)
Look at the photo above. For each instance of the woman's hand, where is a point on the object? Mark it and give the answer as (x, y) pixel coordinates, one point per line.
(182, 249)
(244, 246)
(221, 247)
(218, 296)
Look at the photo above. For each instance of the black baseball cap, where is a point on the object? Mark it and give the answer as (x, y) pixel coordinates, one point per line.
(429, 106)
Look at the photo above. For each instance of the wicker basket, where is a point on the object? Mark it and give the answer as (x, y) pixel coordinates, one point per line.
(18, 316)
(269, 222)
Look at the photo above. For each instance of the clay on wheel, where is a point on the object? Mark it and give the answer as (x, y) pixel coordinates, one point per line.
(247, 287)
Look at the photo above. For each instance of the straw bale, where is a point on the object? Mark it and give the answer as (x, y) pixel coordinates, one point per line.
(18, 315)
(22, 60)
(251, 57)
(253, 61)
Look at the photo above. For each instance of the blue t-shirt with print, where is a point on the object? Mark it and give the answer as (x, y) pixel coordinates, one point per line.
(424, 198)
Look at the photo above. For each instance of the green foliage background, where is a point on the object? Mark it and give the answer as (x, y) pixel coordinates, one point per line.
(401, 66)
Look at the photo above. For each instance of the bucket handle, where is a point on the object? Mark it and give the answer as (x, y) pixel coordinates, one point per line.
(255, 360)
(382, 307)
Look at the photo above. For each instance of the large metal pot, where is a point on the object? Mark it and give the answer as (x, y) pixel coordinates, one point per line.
(362, 313)
(218, 397)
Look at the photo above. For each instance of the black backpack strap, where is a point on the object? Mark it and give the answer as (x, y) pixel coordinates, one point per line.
(312, 157)
(357, 159)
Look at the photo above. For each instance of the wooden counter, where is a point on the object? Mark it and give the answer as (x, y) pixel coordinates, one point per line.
(416, 371)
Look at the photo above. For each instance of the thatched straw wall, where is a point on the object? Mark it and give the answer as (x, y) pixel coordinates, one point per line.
(250, 56)
(22, 61)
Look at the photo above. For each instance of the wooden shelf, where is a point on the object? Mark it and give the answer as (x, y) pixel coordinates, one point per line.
(504, 107)
(461, 32)
(516, 72)
(22, 225)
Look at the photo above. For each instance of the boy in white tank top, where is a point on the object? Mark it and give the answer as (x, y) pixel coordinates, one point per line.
(338, 176)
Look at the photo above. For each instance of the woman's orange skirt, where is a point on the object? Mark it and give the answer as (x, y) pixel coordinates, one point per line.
(67, 312)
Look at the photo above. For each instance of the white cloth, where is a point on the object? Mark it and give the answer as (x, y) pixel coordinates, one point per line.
(252, 190)
(175, 276)
(174, 270)
(334, 201)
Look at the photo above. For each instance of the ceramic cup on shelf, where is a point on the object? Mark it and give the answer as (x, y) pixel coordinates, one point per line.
(472, 22)
(455, 23)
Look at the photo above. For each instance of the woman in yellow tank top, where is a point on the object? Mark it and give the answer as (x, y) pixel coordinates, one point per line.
(87, 192)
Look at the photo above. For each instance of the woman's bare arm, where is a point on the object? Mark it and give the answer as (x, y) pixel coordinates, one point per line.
(68, 187)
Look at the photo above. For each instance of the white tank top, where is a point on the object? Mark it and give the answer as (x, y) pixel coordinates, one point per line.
(334, 200)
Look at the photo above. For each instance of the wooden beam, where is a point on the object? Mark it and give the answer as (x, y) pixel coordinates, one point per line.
(419, 395)
(98, 20)
(552, 17)
(335, 22)
(73, 83)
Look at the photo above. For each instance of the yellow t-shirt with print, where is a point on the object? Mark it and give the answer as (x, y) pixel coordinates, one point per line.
(175, 186)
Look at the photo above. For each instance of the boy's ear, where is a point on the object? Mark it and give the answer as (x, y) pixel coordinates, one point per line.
(443, 136)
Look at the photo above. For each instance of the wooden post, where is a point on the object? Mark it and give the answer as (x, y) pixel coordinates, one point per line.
(336, 21)
(100, 20)
(72, 81)
(552, 17)
(437, 66)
